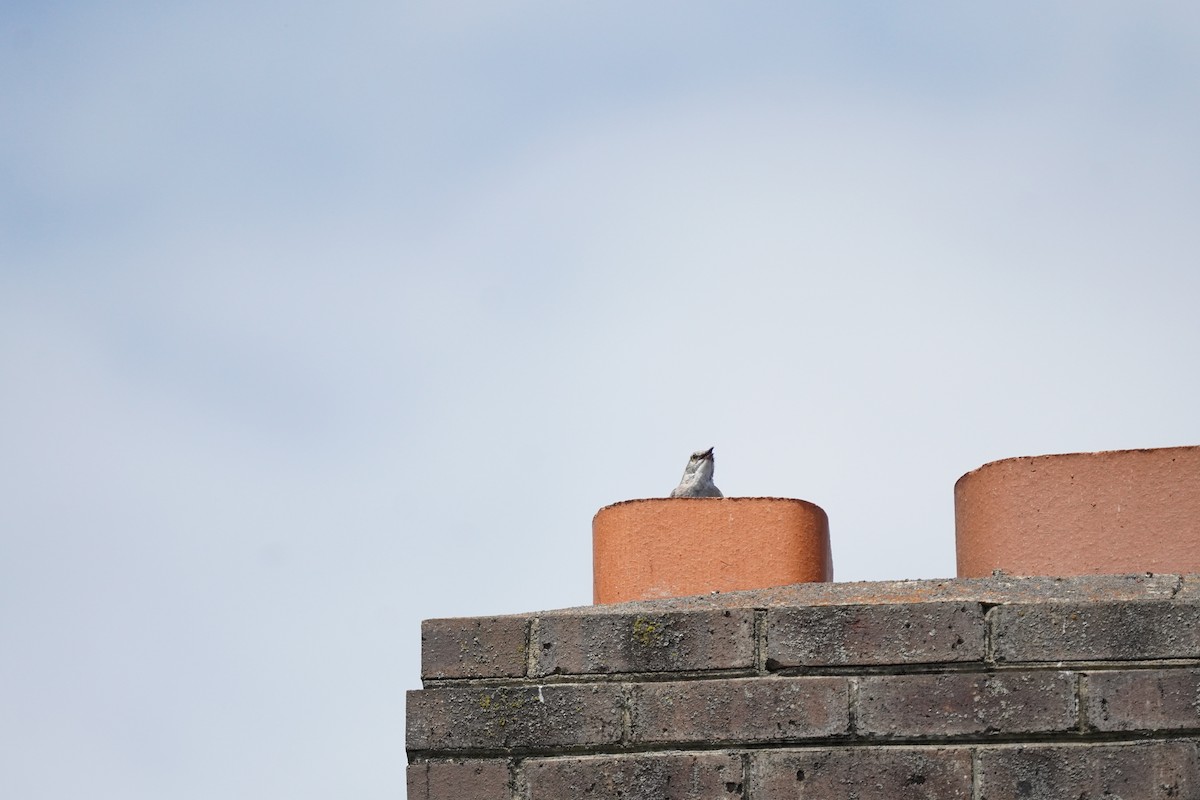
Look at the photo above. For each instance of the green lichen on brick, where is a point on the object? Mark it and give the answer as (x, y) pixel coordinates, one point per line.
(648, 632)
(500, 710)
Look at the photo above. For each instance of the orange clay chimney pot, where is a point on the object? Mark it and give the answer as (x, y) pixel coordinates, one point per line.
(649, 549)
(1123, 511)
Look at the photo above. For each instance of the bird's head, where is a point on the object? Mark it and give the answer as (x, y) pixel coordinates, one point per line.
(701, 463)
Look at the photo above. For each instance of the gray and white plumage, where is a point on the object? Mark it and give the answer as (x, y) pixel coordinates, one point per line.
(698, 477)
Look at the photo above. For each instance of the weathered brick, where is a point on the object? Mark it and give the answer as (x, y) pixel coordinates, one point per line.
(597, 643)
(864, 773)
(740, 710)
(959, 704)
(477, 647)
(673, 776)
(459, 780)
(1096, 631)
(1141, 771)
(514, 717)
(1144, 700)
(909, 633)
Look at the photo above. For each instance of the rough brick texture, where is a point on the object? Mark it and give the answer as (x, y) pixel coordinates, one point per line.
(663, 642)
(862, 773)
(459, 780)
(1140, 770)
(740, 710)
(966, 704)
(986, 689)
(908, 633)
(1101, 631)
(1144, 700)
(675, 776)
(473, 648)
(514, 717)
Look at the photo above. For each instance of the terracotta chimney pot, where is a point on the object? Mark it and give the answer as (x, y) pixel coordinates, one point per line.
(1123, 511)
(649, 549)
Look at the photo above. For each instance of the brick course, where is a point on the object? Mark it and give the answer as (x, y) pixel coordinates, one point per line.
(982, 690)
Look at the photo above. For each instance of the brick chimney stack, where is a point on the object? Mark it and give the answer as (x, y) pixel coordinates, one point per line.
(992, 688)
(1065, 683)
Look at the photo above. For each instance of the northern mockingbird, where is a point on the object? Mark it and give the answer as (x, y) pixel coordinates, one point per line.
(697, 477)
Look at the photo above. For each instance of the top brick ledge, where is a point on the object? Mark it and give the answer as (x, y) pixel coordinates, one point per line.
(716, 632)
(994, 590)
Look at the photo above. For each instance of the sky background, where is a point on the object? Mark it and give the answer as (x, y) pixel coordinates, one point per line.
(317, 320)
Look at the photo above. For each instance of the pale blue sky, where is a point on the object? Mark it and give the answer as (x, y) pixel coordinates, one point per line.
(318, 320)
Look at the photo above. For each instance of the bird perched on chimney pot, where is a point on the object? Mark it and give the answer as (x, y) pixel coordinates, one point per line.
(698, 477)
